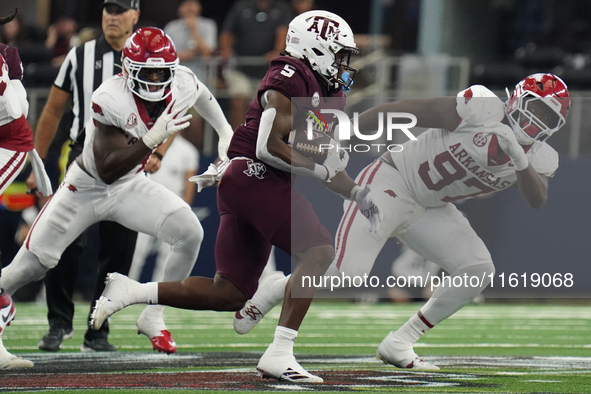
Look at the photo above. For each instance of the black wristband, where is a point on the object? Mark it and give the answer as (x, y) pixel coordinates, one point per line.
(158, 155)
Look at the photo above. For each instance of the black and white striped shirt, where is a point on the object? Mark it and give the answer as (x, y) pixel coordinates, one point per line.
(81, 73)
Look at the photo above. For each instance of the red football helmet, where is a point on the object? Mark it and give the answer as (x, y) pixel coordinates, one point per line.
(538, 107)
(149, 62)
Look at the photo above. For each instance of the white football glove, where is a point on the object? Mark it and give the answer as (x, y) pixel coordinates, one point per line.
(210, 177)
(508, 143)
(335, 162)
(166, 125)
(367, 206)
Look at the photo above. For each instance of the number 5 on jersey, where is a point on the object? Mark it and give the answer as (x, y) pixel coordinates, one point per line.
(288, 71)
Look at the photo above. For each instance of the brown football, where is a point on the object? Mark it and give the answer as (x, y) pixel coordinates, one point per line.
(316, 148)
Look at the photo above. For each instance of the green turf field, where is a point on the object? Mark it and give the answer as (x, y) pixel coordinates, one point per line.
(484, 348)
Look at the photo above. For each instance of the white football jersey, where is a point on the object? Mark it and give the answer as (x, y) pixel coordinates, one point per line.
(445, 166)
(114, 104)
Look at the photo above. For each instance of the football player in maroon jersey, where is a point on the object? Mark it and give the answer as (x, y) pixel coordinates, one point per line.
(256, 198)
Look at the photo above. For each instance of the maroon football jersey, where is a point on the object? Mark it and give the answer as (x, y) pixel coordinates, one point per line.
(294, 79)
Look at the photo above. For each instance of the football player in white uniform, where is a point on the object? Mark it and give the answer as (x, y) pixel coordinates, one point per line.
(132, 113)
(476, 145)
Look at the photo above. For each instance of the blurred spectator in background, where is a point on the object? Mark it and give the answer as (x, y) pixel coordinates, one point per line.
(251, 28)
(84, 35)
(194, 36)
(180, 163)
(28, 39)
(14, 32)
(60, 38)
(301, 6)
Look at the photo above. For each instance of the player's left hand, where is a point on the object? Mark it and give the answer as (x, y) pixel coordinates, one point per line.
(508, 143)
(368, 208)
(210, 177)
(336, 160)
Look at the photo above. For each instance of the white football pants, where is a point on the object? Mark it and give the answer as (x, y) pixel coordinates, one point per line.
(441, 235)
(139, 204)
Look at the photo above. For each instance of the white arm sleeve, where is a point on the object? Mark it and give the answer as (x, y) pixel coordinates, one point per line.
(264, 155)
(208, 107)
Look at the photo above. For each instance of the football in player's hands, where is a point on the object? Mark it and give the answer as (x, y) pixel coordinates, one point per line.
(316, 148)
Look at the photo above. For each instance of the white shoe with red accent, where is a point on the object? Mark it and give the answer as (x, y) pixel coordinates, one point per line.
(7, 313)
(265, 298)
(394, 350)
(7, 310)
(151, 324)
(281, 366)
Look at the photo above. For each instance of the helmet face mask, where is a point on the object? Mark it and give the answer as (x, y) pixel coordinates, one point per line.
(142, 83)
(538, 108)
(326, 41)
(149, 63)
(345, 73)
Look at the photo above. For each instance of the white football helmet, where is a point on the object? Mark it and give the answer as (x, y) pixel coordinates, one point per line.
(538, 107)
(327, 42)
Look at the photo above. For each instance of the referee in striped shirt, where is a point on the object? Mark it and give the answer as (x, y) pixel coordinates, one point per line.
(83, 70)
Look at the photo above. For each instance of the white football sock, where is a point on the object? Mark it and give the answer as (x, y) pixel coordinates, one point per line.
(414, 328)
(445, 301)
(284, 339)
(270, 292)
(151, 321)
(148, 293)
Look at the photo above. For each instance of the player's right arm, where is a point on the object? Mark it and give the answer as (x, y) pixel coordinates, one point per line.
(273, 131)
(273, 149)
(113, 155)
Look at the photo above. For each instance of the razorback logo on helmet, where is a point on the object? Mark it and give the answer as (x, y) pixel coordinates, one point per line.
(468, 95)
(329, 27)
(97, 108)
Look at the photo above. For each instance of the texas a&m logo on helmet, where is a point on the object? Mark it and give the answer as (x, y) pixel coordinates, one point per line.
(324, 27)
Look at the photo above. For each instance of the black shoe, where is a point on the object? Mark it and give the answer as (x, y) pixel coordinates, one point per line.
(53, 339)
(97, 345)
